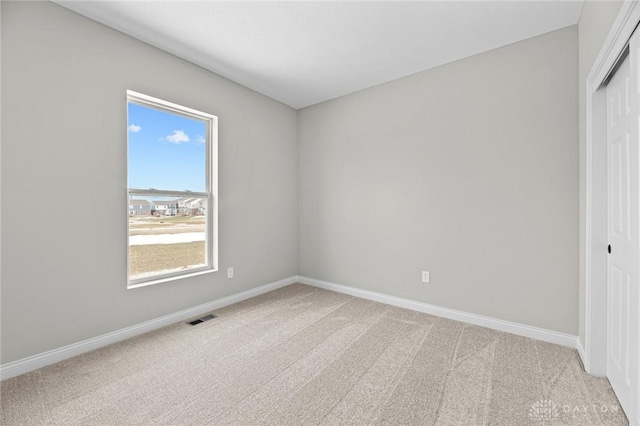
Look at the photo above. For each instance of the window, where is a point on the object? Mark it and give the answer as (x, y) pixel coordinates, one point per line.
(171, 191)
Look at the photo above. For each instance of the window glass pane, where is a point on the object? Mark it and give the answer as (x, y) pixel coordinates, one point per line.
(166, 235)
(166, 151)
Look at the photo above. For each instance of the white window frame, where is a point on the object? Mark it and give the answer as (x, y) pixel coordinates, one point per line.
(211, 193)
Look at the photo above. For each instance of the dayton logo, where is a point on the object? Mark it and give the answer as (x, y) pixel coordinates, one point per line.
(544, 411)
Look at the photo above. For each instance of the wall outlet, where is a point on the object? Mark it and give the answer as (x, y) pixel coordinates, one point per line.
(426, 276)
(230, 272)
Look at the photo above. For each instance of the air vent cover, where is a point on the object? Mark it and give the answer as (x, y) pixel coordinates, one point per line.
(202, 319)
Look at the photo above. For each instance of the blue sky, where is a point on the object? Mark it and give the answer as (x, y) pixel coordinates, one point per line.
(166, 151)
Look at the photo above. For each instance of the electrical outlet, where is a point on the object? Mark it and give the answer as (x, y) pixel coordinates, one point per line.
(426, 277)
(230, 272)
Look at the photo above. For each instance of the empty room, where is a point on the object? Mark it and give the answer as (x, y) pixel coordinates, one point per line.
(320, 213)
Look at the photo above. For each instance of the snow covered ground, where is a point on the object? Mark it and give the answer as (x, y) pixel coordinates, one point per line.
(186, 237)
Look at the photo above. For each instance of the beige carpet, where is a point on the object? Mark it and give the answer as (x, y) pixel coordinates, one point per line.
(304, 356)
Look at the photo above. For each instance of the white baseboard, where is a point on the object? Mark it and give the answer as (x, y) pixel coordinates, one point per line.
(493, 323)
(31, 363)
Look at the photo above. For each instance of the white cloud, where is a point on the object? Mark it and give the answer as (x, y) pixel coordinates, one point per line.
(178, 136)
(200, 139)
(133, 128)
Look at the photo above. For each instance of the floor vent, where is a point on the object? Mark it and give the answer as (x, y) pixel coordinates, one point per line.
(202, 319)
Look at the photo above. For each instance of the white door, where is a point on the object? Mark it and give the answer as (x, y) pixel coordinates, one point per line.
(623, 295)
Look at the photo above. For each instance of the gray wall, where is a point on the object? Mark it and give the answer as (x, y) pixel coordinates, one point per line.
(469, 170)
(64, 79)
(594, 25)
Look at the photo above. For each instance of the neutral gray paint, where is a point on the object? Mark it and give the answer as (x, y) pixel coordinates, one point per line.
(594, 25)
(64, 82)
(469, 170)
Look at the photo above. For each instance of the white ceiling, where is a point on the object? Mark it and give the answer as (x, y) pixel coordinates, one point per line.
(302, 53)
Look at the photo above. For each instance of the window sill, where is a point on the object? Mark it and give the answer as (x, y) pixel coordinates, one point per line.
(173, 278)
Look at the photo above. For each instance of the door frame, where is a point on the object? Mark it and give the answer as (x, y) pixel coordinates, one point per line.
(594, 352)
